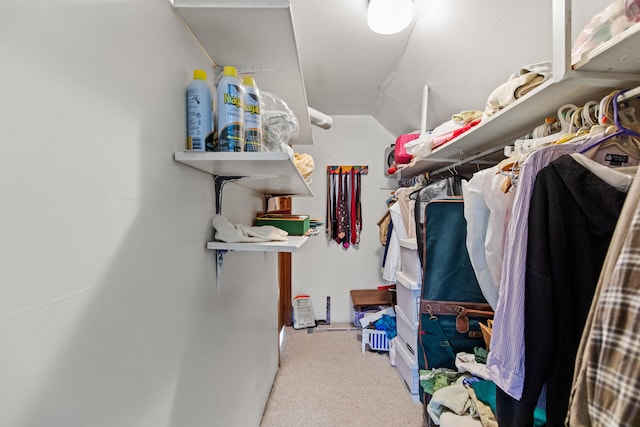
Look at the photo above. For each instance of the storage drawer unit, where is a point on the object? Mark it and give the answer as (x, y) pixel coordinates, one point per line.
(409, 260)
(407, 331)
(408, 296)
(407, 368)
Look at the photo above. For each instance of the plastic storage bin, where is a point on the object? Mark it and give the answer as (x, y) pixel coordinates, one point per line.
(375, 339)
(407, 368)
(408, 296)
(407, 331)
(409, 260)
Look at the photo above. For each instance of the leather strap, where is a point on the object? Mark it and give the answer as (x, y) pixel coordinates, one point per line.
(462, 311)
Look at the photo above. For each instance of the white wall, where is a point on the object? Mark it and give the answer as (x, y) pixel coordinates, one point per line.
(110, 312)
(323, 268)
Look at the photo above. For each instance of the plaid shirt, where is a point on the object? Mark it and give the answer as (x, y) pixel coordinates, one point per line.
(606, 389)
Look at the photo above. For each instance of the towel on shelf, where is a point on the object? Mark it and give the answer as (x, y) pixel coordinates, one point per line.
(239, 233)
(518, 85)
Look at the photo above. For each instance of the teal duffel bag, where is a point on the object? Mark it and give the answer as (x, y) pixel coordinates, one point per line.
(452, 304)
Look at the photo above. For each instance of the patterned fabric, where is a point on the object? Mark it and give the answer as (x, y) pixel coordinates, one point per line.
(606, 389)
(506, 359)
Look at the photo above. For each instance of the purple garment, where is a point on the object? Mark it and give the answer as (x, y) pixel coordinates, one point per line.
(506, 358)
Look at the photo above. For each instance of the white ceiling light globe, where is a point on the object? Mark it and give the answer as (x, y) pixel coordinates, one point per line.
(389, 16)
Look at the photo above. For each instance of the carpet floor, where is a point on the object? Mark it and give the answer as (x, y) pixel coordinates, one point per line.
(325, 380)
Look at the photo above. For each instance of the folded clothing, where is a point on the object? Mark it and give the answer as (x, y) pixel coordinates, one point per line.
(446, 137)
(227, 232)
(518, 85)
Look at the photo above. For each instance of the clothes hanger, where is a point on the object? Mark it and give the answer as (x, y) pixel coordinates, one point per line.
(605, 110)
(590, 114)
(621, 130)
(564, 117)
(414, 194)
(422, 182)
(576, 119)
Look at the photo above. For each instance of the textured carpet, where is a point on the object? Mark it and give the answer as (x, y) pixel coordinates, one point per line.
(325, 380)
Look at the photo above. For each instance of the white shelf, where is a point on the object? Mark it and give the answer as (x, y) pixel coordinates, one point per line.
(291, 245)
(620, 54)
(614, 65)
(272, 173)
(253, 33)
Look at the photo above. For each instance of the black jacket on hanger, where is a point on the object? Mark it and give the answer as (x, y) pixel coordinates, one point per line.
(571, 220)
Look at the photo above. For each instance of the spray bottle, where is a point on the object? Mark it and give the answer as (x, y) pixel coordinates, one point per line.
(252, 117)
(199, 111)
(230, 111)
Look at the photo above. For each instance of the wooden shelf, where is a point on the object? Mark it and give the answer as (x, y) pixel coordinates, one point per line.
(614, 65)
(272, 173)
(253, 34)
(291, 245)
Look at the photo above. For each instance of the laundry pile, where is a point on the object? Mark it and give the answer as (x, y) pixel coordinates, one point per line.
(465, 396)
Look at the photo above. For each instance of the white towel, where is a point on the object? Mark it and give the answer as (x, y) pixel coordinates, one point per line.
(466, 362)
(518, 85)
(454, 398)
(227, 232)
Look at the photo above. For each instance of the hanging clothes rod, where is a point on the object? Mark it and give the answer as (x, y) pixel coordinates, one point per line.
(467, 160)
(631, 93)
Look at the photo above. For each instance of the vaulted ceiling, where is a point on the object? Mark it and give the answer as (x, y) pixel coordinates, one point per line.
(462, 49)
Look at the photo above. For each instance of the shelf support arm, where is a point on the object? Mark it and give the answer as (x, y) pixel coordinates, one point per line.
(219, 181)
(561, 50)
(220, 253)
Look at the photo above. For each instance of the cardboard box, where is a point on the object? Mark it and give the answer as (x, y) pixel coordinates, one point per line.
(363, 298)
(295, 225)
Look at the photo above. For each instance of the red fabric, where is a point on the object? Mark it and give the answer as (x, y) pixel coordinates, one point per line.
(400, 154)
(446, 137)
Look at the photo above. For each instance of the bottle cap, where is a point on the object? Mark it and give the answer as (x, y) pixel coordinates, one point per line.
(199, 74)
(230, 70)
(248, 81)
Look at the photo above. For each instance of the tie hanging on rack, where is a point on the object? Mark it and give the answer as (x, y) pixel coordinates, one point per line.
(344, 211)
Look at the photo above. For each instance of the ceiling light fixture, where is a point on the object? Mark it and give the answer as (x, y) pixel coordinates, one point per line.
(389, 16)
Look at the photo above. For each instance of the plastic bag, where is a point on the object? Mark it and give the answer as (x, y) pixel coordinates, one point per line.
(603, 26)
(305, 165)
(632, 10)
(279, 123)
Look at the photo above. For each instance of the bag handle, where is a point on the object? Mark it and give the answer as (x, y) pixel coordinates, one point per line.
(451, 307)
(460, 309)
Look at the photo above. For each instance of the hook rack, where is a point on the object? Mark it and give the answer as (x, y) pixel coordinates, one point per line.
(334, 170)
